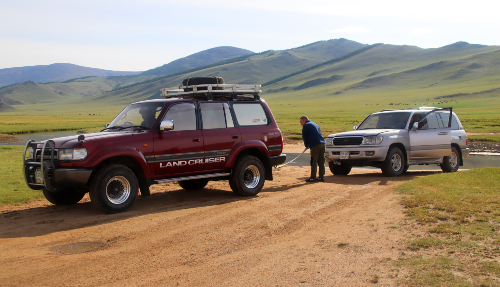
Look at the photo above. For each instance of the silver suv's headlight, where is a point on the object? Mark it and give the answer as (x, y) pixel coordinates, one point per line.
(372, 140)
(329, 141)
(72, 154)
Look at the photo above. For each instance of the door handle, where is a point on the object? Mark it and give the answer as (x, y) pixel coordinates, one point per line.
(197, 140)
(235, 137)
(443, 133)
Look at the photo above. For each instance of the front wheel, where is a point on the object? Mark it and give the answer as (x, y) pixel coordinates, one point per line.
(64, 197)
(394, 164)
(342, 169)
(451, 163)
(114, 188)
(193, 184)
(248, 176)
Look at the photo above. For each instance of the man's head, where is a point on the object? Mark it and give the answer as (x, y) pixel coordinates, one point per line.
(147, 112)
(303, 120)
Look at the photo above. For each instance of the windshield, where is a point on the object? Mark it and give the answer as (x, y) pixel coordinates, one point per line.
(392, 120)
(141, 115)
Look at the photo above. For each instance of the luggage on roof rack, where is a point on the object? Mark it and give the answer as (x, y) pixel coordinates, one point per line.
(198, 87)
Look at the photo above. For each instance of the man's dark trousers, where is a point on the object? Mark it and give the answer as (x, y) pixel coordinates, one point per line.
(318, 158)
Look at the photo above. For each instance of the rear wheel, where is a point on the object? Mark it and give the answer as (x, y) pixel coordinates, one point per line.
(451, 163)
(193, 184)
(394, 163)
(248, 176)
(114, 188)
(342, 169)
(64, 197)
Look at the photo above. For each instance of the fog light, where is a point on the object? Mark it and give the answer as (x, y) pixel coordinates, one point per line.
(369, 153)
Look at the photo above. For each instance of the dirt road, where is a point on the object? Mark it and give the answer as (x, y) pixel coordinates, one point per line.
(343, 232)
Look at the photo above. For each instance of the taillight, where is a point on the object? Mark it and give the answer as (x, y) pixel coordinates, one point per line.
(466, 141)
(281, 142)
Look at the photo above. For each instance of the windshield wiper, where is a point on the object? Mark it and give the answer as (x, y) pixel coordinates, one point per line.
(138, 127)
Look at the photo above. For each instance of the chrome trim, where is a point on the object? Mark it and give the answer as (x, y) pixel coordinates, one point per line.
(191, 177)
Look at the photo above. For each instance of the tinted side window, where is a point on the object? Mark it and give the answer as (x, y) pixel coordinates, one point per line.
(183, 115)
(430, 122)
(250, 114)
(212, 115)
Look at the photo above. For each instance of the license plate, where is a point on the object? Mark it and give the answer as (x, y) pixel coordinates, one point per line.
(344, 155)
(38, 176)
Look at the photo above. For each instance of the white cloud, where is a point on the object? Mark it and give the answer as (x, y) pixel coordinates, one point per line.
(350, 30)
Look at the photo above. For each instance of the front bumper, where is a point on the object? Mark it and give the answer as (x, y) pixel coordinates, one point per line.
(357, 153)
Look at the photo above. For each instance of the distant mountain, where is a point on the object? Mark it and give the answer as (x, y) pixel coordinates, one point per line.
(199, 59)
(53, 73)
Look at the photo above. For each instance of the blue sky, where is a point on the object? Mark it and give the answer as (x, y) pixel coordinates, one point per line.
(133, 35)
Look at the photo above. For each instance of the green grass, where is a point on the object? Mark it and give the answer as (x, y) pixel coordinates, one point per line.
(461, 213)
(13, 188)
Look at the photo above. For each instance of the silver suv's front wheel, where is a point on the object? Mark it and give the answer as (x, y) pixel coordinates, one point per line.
(394, 162)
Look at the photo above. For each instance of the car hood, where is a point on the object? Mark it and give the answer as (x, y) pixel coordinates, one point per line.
(373, 132)
(72, 141)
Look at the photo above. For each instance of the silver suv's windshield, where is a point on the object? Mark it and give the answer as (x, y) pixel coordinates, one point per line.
(141, 115)
(386, 120)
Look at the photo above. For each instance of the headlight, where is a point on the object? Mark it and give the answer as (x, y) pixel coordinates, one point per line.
(72, 154)
(372, 140)
(30, 155)
(329, 141)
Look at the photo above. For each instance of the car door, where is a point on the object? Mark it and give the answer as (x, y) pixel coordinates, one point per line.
(431, 140)
(179, 151)
(219, 134)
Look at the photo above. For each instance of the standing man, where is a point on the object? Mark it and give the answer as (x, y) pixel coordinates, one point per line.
(313, 139)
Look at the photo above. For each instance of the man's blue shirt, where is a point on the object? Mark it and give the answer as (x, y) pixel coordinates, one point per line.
(311, 134)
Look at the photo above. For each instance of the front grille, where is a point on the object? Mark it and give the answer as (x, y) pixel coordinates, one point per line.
(347, 140)
(47, 155)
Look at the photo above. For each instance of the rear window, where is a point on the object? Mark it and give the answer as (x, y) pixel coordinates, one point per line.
(250, 114)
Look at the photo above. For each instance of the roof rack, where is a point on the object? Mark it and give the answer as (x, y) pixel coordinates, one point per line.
(212, 89)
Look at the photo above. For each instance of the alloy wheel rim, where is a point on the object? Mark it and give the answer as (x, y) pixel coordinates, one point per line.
(251, 176)
(453, 160)
(118, 190)
(396, 162)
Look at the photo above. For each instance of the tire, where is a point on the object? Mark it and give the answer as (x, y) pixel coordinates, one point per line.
(193, 184)
(343, 169)
(114, 188)
(202, 81)
(394, 163)
(67, 196)
(451, 163)
(248, 176)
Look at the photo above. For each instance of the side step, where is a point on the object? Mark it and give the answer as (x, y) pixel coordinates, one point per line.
(190, 177)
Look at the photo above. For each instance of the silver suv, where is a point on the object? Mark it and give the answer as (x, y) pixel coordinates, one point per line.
(395, 139)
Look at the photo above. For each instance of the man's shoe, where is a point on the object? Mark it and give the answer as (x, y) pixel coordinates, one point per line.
(311, 180)
(321, 179)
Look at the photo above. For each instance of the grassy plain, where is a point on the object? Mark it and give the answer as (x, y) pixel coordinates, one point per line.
(462, 221)
(13, 188)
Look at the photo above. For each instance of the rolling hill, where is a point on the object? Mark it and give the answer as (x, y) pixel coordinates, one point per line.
(196, 60)
(53, 73)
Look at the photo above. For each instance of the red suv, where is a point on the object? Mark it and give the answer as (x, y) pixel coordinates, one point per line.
(205, 130)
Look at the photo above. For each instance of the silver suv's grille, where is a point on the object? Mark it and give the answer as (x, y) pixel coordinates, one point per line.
(347, 140)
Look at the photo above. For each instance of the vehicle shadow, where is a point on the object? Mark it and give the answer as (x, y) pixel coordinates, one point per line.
(43, 220)
(375, 177)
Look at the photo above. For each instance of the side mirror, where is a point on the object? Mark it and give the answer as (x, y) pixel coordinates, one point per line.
(107, 125)
(414, 127)
(166, 125)
(354, 128)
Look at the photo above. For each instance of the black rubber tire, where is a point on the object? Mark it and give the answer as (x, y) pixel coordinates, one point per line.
(248, 176)
(451, 163)
(202, 81)
(394, 163)
(67, 196)
(343, 169)
(193, 184)
(405, 170)
(125, 185)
